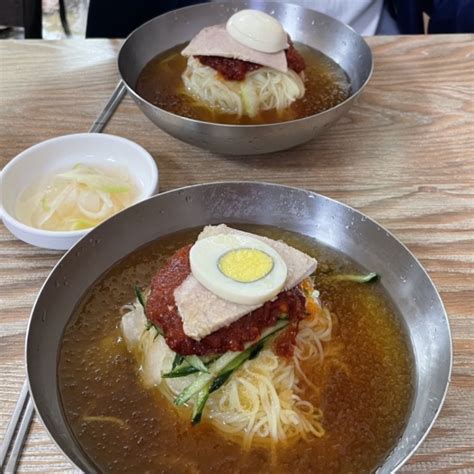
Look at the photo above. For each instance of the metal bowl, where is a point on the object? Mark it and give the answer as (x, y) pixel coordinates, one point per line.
(333, 38)
(331, 223)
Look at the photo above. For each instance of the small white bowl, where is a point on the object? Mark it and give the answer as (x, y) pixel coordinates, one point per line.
(58, 154)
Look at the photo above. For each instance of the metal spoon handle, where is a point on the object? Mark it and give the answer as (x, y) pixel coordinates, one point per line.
(13, 423)
(20, 438)
(109, 109)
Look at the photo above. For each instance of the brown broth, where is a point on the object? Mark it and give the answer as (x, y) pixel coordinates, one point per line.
(365, 396)
(160, 83)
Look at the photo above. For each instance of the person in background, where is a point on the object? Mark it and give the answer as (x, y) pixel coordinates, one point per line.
(445, 16)
(367, 17)
(391, 17)
(118, 18)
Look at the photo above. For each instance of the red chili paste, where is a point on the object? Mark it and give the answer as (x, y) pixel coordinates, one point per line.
(161, 310)
(236, 69)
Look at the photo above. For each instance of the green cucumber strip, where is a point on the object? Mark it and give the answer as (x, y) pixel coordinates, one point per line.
(203, 378)
(201, 381)
(140, 297)
(201, 400)
(220, 380)
(178, 360)
(228, 362)
(357, 278)
(250, 353)
(182, 367)
(208, 360)
(196, 362)
(221, 362)
(158, 330)
(180, 372)
(236, 362)
(142, 300)
(150, 326)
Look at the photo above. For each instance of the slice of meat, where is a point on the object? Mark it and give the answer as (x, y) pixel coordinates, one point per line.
(236, 69)
(203, 312)
(215, 41)
(161, 310)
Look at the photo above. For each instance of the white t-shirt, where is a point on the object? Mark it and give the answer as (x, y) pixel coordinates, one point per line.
(362, 15)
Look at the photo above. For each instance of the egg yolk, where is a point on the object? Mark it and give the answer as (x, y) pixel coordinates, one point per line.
(245, 265)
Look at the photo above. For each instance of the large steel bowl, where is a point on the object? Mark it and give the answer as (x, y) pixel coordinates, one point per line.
(333, 38)
(331, 223)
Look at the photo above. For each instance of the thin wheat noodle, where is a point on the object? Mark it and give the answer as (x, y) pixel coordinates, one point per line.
(265, 400)
(262, 89)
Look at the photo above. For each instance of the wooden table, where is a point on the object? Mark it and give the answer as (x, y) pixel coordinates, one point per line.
(404, 155)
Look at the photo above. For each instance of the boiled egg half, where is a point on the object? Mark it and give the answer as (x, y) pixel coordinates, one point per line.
(238, 268)
(257, 30)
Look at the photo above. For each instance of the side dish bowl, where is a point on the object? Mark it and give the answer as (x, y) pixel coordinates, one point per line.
(417, 302)
(336, 40)
(60, 154)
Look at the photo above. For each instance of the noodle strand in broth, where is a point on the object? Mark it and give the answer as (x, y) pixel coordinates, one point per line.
(340, 402)
(211, 99)
(262, 402)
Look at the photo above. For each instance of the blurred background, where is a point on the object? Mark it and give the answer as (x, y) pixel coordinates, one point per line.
(12, 18)
(58, 19)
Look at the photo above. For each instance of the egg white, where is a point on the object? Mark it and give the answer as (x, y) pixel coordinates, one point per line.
(204, 260)
(257, 30)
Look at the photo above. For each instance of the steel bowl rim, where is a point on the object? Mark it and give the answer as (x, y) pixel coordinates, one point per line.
(352, 96)
(264, 184)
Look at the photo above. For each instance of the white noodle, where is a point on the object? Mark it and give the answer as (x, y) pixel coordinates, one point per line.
(262, 89)
(262, 401)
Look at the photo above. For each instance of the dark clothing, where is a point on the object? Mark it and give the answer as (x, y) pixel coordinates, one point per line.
(450, 16)
(446, 16)
(118, 18)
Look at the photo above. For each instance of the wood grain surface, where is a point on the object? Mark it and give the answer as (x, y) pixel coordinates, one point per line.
(404, 155)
